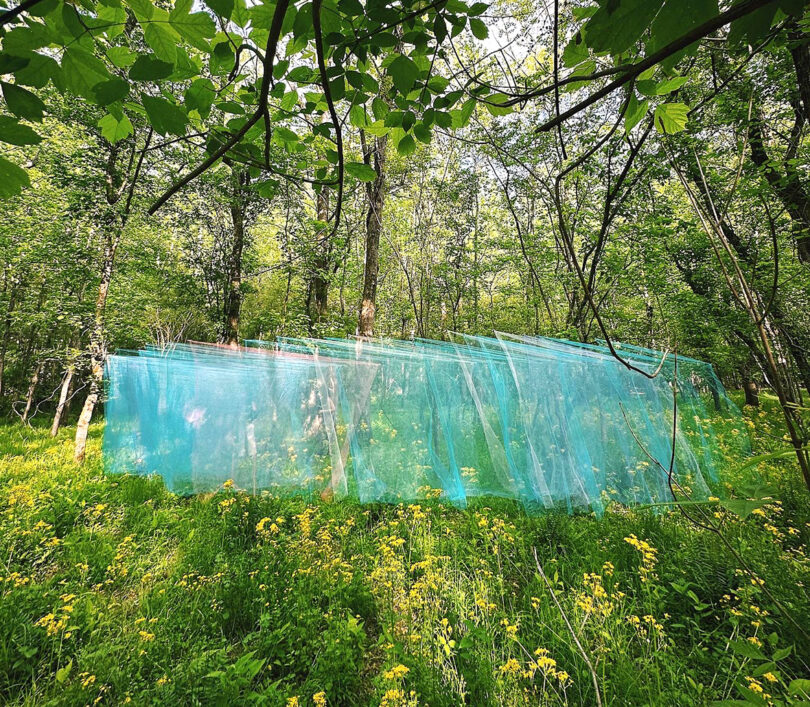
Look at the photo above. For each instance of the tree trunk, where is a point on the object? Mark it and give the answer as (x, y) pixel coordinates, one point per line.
(375, 191)
(98, 350)
(233, 298)
(114, 229)
(318, 301)
(788, 187)
(63, 397)
(751, 392)
(32, 388)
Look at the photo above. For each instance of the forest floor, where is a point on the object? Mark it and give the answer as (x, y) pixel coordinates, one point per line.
(113, 590)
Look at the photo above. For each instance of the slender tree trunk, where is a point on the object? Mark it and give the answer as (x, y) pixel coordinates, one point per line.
(318, 302)
(114, 230)
(63, 398)
(751, 392)
(32, 388)
(98, 350)
(375, 191)
(233, 297)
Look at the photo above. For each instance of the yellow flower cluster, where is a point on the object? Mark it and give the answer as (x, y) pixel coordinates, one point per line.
(541, 662)
(55, 622)
(398, 698)
(266, 528)
(595, 600)
(648, 557)
(397, 672)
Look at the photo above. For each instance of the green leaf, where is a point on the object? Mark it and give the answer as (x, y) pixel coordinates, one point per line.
(769, 667)
(379, 108)
(302, 25)
(111, 91)
(377, 129)
(222, 58)
(404, 73)
(782, 653)
(24, 39)
(240, 13)
(38, 71)
(114, 129)
(438, 84)
(747, 650)
(617, 25)
(224, 8)
(121, 57)
(406, 146)
(261, 15)
(162, 41)
(656, 88)
(147, 68)
(300, 74)
(63, 672)
(114, 19)
(143, 9)
(575, 52)
(16, 133)
(370, 84)
(754, 461)
(478, 28)
(422, 133)
(751, 28)
(674, 21)
(741, 507)
(231, 107)
(636, 110)
(12, 177)
(165, 117)
(671, 85)
(82, 71)
(800, 687)
(285, 134)
(200, 96)
(671, 117)
(11, 64)
(466, 110)
(360, 171)
(42, 8)
(493, 101)
(289, 101)
(357, 116)
(22, 102)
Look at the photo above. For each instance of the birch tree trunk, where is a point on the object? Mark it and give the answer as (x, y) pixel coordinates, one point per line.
(233, 298)
(375, 191)
(63, 397)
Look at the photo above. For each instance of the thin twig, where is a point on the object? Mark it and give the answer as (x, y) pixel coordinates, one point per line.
(582, 652)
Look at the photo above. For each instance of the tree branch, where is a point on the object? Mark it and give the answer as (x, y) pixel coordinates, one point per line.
(269, 57)
(697, 33)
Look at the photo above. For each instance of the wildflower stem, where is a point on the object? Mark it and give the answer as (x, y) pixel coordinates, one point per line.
(582, 652)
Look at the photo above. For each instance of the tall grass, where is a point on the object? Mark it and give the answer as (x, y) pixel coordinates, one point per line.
(113, 590)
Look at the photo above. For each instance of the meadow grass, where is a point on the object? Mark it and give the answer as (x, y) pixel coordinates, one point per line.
(113, 591)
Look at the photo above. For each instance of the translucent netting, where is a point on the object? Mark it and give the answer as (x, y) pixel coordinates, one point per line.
(550, 423)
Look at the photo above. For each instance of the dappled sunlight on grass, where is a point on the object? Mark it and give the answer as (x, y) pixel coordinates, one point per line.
(114, 590)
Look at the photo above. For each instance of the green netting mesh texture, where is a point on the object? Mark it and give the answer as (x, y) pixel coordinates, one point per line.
(549, 423)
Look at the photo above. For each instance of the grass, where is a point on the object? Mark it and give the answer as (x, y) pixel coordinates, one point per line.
(113, 590)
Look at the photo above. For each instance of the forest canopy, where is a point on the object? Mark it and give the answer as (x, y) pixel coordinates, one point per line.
(621, 169)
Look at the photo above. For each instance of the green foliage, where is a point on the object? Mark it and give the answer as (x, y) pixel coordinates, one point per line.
(228, 598)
